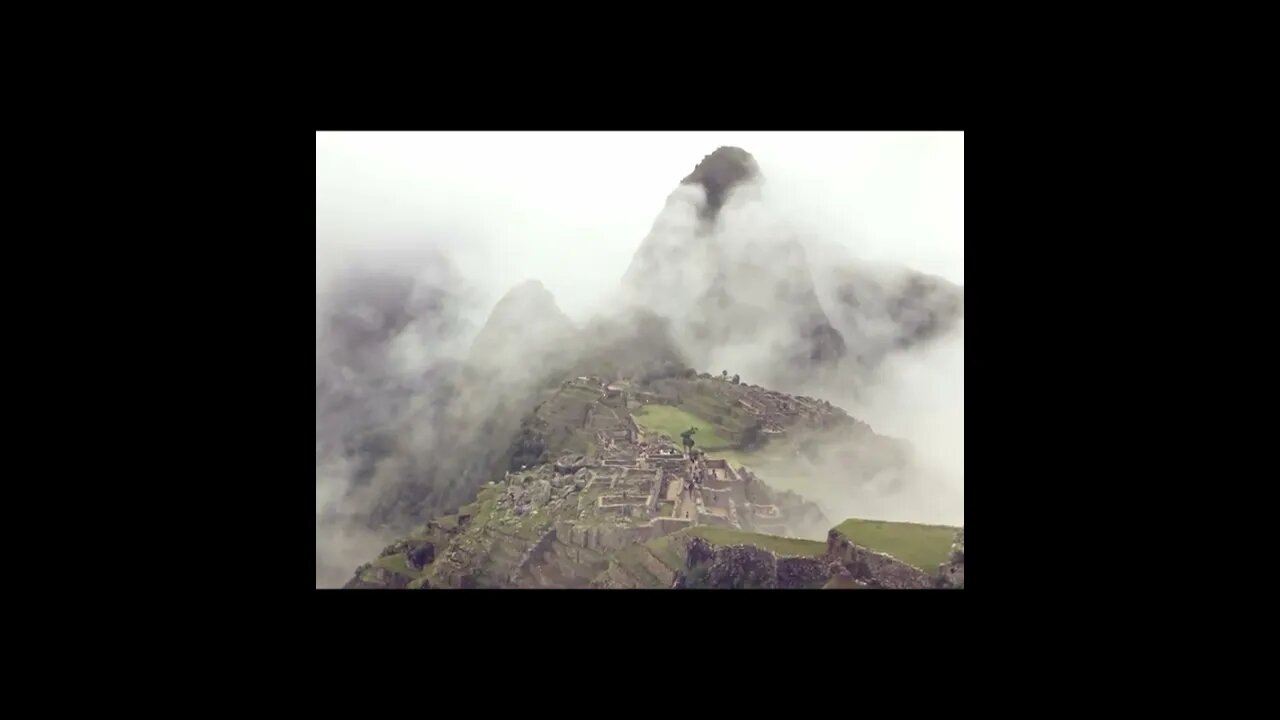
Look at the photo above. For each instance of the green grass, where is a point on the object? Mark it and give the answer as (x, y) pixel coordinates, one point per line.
(924, 546)
(668, 508)
(398, 564)
(631, 559)
(663, 548)
(673, 421)
(773, 543)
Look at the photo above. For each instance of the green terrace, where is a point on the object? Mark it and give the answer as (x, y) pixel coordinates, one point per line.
(924, 546)
(671, 421)
(398, 564)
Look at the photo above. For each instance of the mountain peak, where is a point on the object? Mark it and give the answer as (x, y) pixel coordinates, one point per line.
(528, 290)
(526, 321)
(721, 171)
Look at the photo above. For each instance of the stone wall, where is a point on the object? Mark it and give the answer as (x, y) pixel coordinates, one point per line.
(716, 520)
(666, 526)
(535, 552)
(801, 572)
(665, 575)
(604, 538)
(735, 567)
(873, 568)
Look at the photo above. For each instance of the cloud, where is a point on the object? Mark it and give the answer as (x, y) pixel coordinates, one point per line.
(468, 216)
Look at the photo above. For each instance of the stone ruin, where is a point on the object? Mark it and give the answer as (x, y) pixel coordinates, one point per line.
(631, 487)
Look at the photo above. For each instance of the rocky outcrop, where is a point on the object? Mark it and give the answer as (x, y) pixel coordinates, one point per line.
(540, 494)
(720, 172)
(951, 573)
(421, 555)
(877, 570)
(570, 464)
(745, 566)
(724, 284)
(742, 566)
(801, 572)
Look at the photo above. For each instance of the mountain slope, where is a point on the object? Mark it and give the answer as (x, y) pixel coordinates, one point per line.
(593, 499)
(721, 289)
(526, 335)
(880, 311)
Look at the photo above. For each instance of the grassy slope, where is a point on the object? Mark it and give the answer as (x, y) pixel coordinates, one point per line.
(664, 549)
(924, 546)
(398, 564)
(673, 421)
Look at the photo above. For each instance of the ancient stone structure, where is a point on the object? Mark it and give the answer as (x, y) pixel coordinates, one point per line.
(587, 516)
(635, 487)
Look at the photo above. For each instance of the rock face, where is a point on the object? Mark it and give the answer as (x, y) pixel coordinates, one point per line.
(721, 286)
(422, 555)
(742, 566)
(570, 464)
(745, 566)
(540, 495)
(801, 572)
(718, 174)
(875, 569)
(951, 573)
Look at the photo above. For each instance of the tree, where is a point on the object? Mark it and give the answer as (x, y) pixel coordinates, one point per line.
(724, 374)
(687, 438)
(735, 379)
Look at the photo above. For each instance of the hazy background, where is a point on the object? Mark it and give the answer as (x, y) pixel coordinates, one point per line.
(478, 213)
(570, 209)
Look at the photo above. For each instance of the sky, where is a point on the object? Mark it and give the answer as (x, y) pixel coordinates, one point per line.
(570, 208)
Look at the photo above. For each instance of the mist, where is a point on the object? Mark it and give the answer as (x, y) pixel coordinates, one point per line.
(420, 235)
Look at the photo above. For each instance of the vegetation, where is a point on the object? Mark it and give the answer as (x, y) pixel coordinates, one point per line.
(773, 543)
(686, 437)
(924, 546)
(631, 558)
(664, 549)
(398, 564)
(672, 421)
